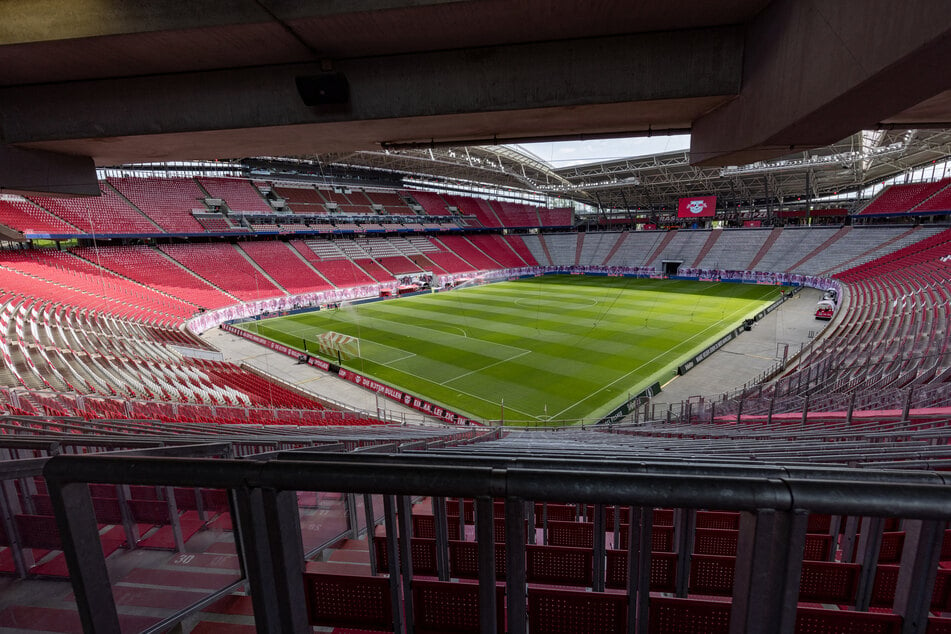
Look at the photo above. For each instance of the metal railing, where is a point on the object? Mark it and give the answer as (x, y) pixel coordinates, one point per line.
(774, 504)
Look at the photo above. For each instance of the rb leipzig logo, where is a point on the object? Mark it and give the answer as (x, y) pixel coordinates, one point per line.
(697, 206)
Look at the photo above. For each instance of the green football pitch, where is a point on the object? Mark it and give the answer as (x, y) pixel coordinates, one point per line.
(552, 348)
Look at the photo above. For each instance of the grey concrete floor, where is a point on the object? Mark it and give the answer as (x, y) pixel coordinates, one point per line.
(317, 382)
(746, 357)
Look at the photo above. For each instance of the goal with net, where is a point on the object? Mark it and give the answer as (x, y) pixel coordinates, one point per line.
(337, 345)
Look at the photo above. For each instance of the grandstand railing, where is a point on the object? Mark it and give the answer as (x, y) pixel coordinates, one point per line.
(774, 506)
(28, 443)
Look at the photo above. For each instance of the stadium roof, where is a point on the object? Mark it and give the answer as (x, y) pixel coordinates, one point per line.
(863, 159)
(89, 83)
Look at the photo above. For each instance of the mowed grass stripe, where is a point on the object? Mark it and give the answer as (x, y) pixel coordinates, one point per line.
(574, 346)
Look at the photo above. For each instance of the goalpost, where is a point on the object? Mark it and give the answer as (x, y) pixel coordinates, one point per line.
(334, 344)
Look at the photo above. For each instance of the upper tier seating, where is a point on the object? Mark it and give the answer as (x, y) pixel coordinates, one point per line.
(902, 198)
(150, 205)
(433, 204)
(167, 201)
(108, 213)
(300, 194)
(561, 217)
(391, 201)
(517, 214)
(225, 267)
(218, 224)
(314, 205)
(332, 196)
(483, 210)
(239, 194)
(24, 216)
(938, 202)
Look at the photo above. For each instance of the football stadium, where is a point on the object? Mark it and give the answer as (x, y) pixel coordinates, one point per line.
(473, 316)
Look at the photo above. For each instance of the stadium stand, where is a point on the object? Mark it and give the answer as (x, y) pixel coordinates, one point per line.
(791, 245)
(889, 351)
(684, 246)
(343, 273)
(433, 204)
(239, 194)
(499, 249)
(483, 210)
(331, 195)
(941, 201)
(26, 217)
(167, 201)
(903, 239)
(461, 246)
(861, 245)
(63, 269)
(562, 248)
(224, 266)
(398, 265)
(637, 248)
(298, 193)
(108, 213)
(93, 344)
(737, 246)
(440, 256)
(373, 268)
(284, 267)
(217, 223)
(153, 268)
(391, 201)
(898, 199)
(516, 214)
(560, 217)
(332, 263)
(23, 278)
(518, 245)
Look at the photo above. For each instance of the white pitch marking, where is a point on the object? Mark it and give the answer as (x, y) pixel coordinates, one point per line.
(512, 358)
(646, 363)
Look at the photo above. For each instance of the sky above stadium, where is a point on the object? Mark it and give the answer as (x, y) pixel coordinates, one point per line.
(568, 153)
